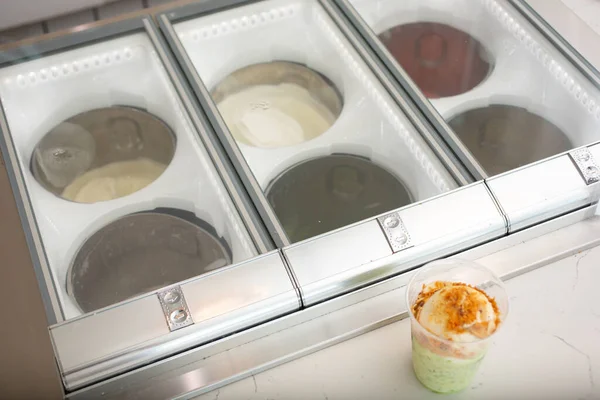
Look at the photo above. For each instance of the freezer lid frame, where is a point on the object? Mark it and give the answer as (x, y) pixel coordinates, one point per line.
(113, 341)
(393, 243)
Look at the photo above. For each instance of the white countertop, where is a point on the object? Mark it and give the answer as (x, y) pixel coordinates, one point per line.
(549, 348)
(578, 21)
(587, 10)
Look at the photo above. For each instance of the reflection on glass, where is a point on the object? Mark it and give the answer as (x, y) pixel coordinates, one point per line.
(277, 104)
(103, 154)
(140, 253)
(504, 137)
(443, 61)
(326, 193)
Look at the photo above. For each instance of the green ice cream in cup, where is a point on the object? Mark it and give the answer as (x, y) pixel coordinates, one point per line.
(455, 307)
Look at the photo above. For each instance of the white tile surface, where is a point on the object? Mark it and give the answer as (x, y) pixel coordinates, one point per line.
(587, 10)
(548, 349)
(578, 21)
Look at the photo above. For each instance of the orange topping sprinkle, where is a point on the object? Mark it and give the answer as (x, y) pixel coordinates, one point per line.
(460, 306)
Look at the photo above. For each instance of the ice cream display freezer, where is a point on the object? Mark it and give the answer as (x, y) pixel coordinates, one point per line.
(228, 170)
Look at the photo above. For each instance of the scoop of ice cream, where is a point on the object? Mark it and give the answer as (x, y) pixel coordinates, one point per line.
(457, 312)
(113, 180)
(275, 115)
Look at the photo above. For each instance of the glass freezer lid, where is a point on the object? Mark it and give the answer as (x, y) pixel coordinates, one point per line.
(321, 140)
(125, 195)
(136, 225)
(507, 95)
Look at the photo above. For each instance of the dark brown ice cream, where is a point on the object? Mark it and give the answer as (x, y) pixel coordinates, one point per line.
(326, 193)
(443, 61)
(504, 137)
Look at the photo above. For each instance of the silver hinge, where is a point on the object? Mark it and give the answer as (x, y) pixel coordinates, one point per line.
(175, 308)
(395, 232)
(584, 160)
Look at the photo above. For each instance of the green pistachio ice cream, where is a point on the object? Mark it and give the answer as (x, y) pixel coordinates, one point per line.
(449, 334)
(443, 374)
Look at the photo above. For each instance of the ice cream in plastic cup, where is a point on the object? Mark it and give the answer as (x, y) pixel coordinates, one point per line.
(456, 307)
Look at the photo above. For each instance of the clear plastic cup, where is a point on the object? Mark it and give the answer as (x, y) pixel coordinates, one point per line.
(441, 365)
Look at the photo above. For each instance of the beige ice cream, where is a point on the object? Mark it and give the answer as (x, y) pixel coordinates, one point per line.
(113, 180)
(456, 312)
(275, 115)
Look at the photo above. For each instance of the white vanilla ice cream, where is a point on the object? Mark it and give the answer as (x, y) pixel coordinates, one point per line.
(275, 115)
(113, 180)
(456, 312)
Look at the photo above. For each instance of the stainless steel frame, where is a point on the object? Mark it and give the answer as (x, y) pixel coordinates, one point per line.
(88, 351)
(541, 191)
(439, 227)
